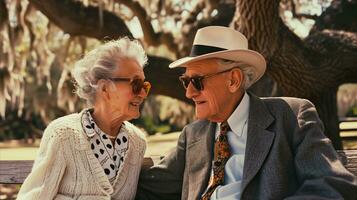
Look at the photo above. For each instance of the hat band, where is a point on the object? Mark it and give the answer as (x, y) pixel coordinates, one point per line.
(198, 50)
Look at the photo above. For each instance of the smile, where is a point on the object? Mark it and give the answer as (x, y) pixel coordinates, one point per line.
(135, 103)
(200, 102)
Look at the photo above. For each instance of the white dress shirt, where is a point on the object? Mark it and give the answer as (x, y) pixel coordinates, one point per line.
(237, 137)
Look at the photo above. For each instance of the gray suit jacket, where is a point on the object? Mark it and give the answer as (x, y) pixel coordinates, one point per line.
(287, 157)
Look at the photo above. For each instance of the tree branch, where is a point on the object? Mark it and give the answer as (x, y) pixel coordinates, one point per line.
(150, 37)
(339, 50)
(340, 15)
(300, 15)
(76, 19)
(225, 14)
(3, 14)
(164, 79)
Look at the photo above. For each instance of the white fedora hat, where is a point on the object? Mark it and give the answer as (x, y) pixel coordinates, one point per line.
(225, 43)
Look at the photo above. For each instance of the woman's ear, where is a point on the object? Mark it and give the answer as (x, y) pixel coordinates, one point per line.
(236, 80)
(103, 89)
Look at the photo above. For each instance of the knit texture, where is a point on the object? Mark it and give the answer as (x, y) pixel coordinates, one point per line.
(66, 168)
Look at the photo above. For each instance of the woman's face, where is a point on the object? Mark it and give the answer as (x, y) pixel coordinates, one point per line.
(123, 103)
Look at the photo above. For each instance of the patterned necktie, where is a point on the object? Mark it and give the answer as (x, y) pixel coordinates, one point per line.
(221, 155)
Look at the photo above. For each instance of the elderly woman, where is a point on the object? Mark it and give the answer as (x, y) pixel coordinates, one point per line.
(97, 153)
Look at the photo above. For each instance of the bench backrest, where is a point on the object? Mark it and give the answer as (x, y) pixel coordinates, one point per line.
(15, 171)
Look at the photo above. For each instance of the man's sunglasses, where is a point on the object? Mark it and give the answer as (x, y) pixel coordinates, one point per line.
(136, 84)
(197, 80)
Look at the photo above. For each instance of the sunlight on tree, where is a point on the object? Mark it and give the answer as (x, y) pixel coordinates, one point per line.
(299, 17)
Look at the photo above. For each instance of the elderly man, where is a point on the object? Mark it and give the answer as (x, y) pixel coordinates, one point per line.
(241, 146)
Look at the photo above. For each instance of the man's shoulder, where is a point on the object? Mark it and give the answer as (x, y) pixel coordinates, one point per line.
(197, 125)
(286, 103)
(289, 100)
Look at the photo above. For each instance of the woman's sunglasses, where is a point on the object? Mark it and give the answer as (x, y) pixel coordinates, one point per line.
(136, 84)
(197, 80)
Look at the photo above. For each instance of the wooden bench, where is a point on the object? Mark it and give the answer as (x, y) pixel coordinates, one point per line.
(348, 127)
(15, 171)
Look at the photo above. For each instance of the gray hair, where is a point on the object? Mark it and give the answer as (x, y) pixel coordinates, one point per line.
(247, 70)
(101, 62)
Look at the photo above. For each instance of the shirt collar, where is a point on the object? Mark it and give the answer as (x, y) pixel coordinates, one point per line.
(93, 128)
(240, 115)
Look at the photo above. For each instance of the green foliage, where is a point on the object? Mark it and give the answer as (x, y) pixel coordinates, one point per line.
(152, 127)
(352, 112)
(21, 127)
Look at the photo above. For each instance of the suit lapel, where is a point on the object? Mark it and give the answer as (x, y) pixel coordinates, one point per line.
(259, 140)
(200, 159)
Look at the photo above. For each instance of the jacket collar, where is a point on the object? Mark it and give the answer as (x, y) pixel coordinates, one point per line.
(259, 139)
(199, 149)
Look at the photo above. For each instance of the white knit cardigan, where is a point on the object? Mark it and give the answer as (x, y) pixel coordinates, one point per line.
(66, 168)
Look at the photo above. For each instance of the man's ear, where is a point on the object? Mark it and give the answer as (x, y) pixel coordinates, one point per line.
(235, 80)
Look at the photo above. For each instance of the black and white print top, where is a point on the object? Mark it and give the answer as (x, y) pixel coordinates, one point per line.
(109, 157)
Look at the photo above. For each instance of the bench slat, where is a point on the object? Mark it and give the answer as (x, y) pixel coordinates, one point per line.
(15, 171)
(349, 160)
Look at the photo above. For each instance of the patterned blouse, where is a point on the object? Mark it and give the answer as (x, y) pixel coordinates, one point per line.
(110, 156)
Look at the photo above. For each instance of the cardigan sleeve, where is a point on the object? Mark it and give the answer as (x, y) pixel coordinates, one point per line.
(48, 168)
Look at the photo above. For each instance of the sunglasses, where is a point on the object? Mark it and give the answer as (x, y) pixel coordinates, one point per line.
(197, 80)
(136, 84)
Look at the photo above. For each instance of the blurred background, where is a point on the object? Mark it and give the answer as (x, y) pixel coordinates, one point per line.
(310, 46)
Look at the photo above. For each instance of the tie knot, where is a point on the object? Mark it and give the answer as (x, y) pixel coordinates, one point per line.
(224, 127)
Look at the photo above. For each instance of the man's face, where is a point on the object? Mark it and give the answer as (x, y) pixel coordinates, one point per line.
(211, 102)
(124, 104)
